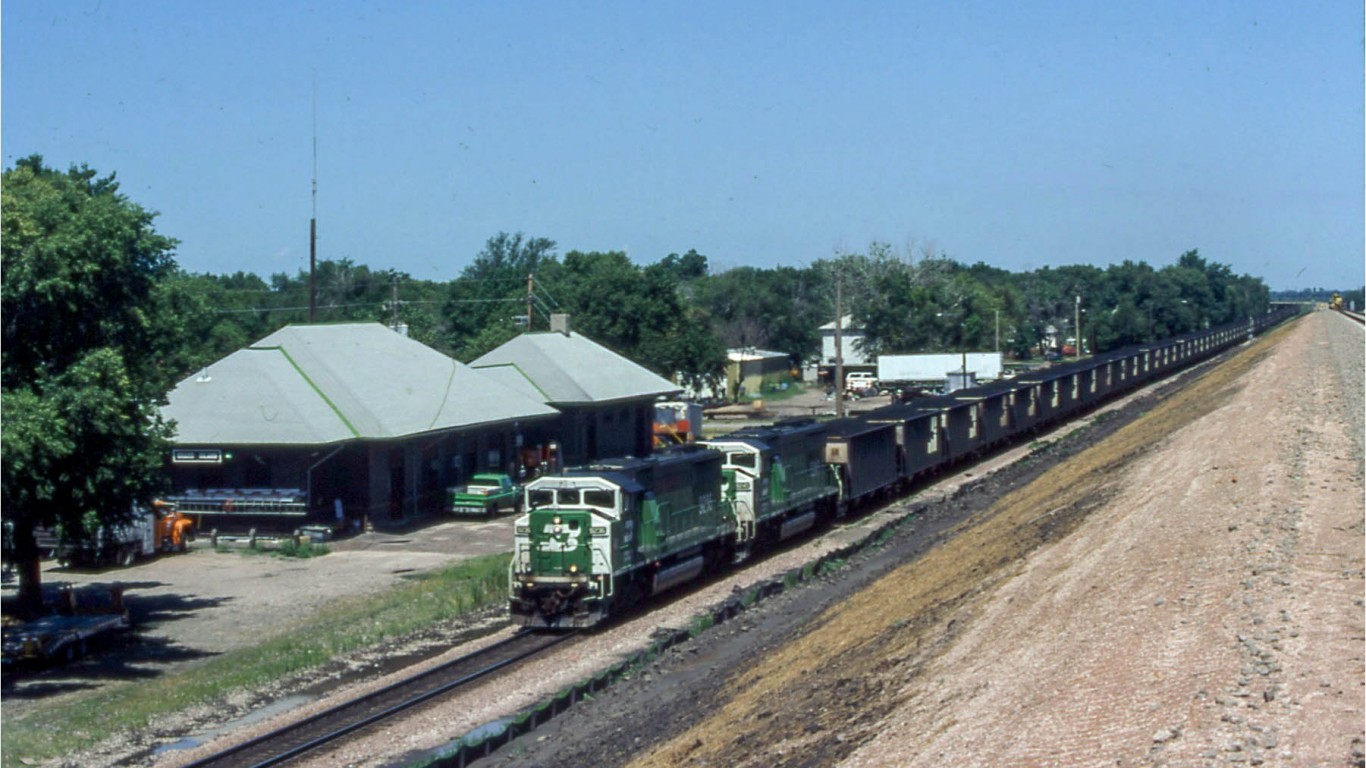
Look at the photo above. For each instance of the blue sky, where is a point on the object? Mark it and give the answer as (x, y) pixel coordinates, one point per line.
(767, 133)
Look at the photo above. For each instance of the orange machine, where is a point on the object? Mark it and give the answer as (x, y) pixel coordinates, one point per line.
(676, 423)
(173, 531)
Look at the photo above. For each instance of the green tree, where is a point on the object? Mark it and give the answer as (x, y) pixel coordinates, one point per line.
(779, 309)
(94, 337)
(637, 312)
(616, 303)
(688, 267)
(492, 290)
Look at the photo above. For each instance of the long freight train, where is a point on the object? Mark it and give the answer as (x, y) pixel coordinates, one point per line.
(601, 537)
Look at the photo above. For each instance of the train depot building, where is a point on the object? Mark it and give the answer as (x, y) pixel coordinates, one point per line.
(337, 426)
(606, 402)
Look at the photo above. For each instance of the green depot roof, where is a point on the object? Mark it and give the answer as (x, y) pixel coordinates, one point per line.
(318, 384)
(574, 370)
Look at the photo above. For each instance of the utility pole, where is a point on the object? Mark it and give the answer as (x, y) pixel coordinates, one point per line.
(998, 331)
(963, 344)
(530, 298)
(962, 318)
(1078, 326)
(839, 345)
(963, 347)
(393, 305)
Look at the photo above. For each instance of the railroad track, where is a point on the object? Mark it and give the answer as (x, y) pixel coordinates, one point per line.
(292, 741)
(1357, 316)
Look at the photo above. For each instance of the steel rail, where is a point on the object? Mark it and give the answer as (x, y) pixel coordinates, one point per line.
(315, 731)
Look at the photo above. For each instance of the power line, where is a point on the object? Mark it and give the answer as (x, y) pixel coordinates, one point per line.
(541, 285)
(290, 309)
(369, 282)
(364, 304)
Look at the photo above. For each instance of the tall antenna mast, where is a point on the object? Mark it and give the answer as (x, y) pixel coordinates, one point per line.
(313, 222)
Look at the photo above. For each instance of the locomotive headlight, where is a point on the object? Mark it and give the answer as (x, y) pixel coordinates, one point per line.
(573, 568)
(556, 520)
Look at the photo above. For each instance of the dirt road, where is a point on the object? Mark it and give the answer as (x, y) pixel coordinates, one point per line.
(1188, 591)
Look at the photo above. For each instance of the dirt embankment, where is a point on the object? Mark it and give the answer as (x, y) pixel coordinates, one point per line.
(1187, 591)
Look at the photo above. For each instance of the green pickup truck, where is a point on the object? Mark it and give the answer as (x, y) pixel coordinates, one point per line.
(486, 495)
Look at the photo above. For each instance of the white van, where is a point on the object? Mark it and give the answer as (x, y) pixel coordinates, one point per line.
(858, 381)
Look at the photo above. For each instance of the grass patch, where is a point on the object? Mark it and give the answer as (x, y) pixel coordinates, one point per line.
(772, 390)
(701, 624)
(49, 730)
(887, 532)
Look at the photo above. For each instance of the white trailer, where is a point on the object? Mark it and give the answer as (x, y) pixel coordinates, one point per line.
(934, 368)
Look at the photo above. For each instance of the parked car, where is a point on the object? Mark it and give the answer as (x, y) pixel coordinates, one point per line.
(486, 494)
(860, 380)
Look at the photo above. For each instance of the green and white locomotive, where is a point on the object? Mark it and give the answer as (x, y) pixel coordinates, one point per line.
(779, 481)
(601, 537)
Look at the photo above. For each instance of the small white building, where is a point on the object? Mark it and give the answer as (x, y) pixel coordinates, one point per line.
(851, 343)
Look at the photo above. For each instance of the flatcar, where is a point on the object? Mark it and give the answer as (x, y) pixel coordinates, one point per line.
(601, 537)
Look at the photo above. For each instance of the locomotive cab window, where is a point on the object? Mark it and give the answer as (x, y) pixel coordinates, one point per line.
(540, 497)
(601, 499)
(748, 460)
(568, 497)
